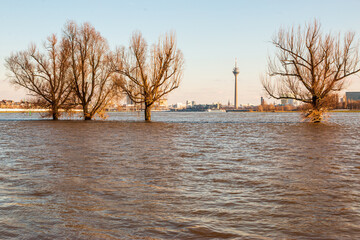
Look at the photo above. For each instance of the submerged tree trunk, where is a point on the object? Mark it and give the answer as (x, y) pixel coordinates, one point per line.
(55, 114)
(315, 113)
(55, 111)
(148, 112)
(87, 115)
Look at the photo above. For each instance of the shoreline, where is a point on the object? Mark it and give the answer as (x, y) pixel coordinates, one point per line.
(22, 110)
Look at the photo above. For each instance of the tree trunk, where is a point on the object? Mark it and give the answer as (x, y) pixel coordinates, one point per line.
(55, 113)
(316, 112)
(87, 115)
(315, 100)
(148, 112)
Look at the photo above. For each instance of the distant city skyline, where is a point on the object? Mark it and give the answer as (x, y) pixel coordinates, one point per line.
(211, 35)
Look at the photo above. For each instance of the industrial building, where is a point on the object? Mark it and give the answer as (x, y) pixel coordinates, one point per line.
(352, 96)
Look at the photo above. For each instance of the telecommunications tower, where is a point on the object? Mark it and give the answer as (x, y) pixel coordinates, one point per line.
(236, 73)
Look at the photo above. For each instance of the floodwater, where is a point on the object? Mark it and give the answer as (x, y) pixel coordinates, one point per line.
(182, 176)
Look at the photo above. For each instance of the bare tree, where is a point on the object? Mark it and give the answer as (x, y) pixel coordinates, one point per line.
(310, 66)
(147, 77)
(44, 75)
(91, 68)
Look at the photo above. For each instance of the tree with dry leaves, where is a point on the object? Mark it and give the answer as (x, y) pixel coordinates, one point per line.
(92, 76)
(147, 76)
(43, 74)
(310, 67)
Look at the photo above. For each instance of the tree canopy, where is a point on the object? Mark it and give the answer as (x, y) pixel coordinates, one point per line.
(310, 66)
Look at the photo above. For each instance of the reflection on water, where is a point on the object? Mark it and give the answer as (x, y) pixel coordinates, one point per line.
(183, 176)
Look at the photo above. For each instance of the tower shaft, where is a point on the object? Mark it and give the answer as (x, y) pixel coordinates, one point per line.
(236, 95)
(236, 73)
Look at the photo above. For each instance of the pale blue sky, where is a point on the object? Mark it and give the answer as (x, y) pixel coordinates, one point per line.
(211, 35)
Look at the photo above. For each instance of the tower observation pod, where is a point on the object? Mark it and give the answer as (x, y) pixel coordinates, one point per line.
(236, 73)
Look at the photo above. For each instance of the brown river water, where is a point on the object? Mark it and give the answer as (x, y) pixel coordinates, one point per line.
(182, 176)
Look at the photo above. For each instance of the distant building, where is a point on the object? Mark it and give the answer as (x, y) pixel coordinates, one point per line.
(189, 104)
(129, 102)
(352, 96)
(262, 101)
(162, 102)
(218, 105)
(179, 106)
(285, 102)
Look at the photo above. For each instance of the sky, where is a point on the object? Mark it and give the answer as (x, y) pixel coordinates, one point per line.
(211, 34)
